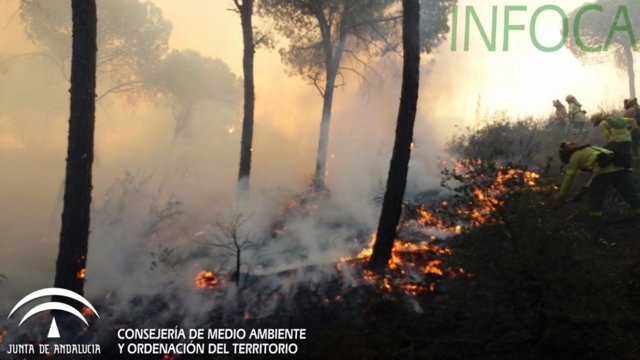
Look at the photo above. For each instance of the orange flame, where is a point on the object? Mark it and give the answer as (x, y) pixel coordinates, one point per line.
(206, 280)
(81, 274)
(405, 259)
(401, 278)
(433, 267)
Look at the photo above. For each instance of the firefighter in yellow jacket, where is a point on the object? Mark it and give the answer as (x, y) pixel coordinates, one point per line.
(617, 131)
(576, 129)
(593, 159)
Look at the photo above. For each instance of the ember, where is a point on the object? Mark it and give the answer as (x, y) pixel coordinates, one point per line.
(82, 273)
(206, 280)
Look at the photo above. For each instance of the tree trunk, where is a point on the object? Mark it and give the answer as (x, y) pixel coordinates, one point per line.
(74, 235)
(630, 71)
(246, 13)
(399, 167)
(332, 64)
(237, 277)
(323, 141)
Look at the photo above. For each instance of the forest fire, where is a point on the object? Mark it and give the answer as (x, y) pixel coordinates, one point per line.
(413, 267)
(506, 182)
(206, 280)
(482, 188)
(428, 218)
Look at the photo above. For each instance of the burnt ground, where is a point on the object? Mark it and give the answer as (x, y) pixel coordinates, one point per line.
(537, 283)
(536, 286)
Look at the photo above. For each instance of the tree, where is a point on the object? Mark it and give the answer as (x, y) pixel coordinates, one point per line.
(605, 28)
(399, 167)
(230, 242)
(74, 235)
(186, 78)
(131, 36)
(245, 7)
(322, 33)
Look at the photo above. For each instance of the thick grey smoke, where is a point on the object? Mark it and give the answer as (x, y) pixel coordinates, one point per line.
(159, 198)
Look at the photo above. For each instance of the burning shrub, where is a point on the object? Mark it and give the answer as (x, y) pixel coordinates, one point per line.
(480, 190)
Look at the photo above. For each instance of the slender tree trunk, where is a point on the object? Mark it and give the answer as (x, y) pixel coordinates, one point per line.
(399, 167)
(332, 64)
(630, 71)
(238, 254)
(323, 141)
(246, 13)
(74, 235)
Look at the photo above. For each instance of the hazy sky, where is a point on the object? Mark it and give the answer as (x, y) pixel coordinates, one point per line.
(522, 80)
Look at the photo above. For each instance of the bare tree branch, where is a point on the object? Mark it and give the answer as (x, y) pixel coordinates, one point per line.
(124, 87)
(60, 66)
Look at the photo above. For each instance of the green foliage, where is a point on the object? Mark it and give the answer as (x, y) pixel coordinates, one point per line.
(367, 28)
(434, 26)
(500, 138)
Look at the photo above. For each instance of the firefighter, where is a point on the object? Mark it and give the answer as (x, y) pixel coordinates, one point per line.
(617, 131)
(593, 159)
(561, 114)
(632, 111)
(577, 119)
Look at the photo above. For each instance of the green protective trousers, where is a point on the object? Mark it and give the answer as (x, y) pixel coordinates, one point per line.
(623, 152)
(622, 181)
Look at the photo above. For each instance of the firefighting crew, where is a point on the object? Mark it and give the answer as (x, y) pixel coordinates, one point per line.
(598, 161)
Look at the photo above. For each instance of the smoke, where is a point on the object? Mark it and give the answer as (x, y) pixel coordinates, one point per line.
(159, 199)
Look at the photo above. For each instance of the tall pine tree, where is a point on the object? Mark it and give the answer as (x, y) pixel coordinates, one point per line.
(399, 167)
(74, 235)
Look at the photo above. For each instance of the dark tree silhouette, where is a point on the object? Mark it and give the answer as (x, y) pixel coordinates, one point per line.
(74, 236)
(399, 167)
(245, 7)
